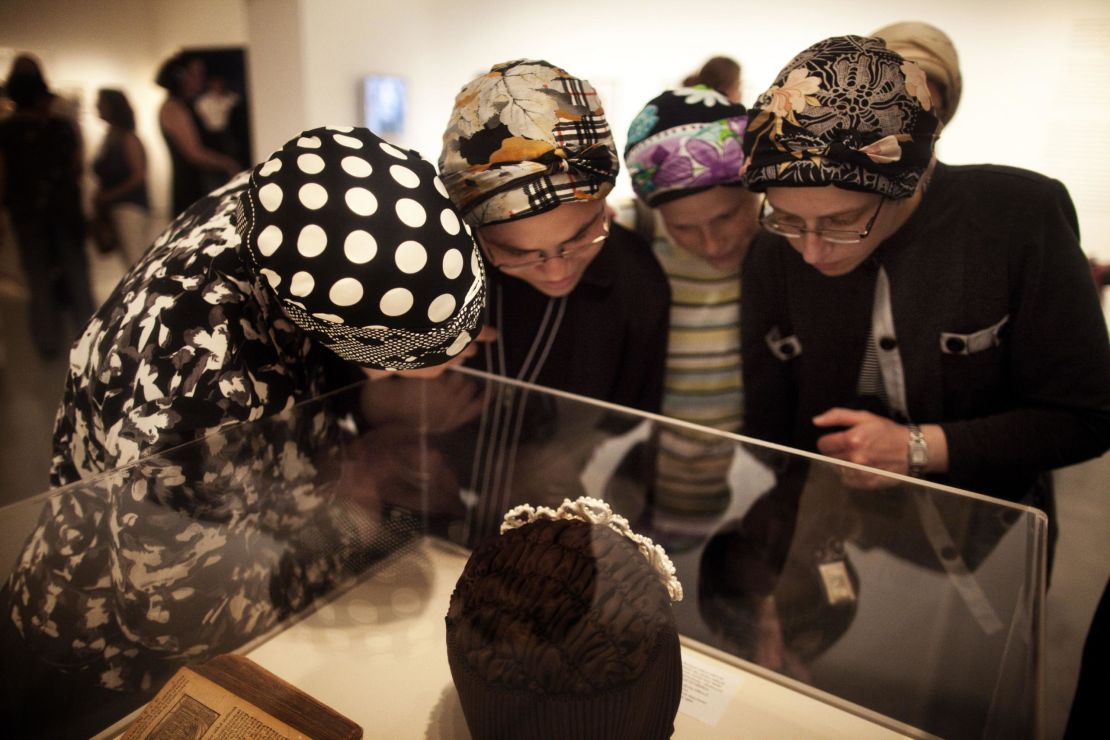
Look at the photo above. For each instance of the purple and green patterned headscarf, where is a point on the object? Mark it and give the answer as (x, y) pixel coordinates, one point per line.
(848, 112)
(523, 139)
(684, 141)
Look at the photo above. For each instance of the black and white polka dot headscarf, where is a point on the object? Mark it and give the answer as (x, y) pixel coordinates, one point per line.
(363, 249)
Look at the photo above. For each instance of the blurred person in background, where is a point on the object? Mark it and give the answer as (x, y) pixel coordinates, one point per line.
(221, 112)
(40, 185)
(120, 170)
(719, 73)
(196, 168)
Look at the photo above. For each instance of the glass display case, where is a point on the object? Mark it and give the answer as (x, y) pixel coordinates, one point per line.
(820, 597)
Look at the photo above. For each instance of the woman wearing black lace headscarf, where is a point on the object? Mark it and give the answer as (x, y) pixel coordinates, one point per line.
(915, 317)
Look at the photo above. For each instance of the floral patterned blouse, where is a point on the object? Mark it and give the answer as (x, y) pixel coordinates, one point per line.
(183, 555)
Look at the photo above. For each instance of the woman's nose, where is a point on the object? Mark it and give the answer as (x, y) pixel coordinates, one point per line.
(812, 247)
(714, 244)
(556, 267)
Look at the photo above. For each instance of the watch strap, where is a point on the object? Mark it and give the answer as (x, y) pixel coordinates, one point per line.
(917, 451)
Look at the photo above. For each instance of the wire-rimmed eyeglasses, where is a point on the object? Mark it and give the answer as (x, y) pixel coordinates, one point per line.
(770, 222)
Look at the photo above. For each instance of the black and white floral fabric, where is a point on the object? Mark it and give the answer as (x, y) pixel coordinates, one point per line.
(156, 554)
(127, 572)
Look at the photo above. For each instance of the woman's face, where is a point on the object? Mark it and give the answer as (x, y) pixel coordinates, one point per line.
(192, 79)
(829, 207)
(717, 225)
(550, 251)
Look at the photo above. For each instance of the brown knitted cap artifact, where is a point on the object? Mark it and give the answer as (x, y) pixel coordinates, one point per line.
(561, 627)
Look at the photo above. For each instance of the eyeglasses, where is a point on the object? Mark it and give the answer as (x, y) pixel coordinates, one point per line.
(510, 260)
(835, 236)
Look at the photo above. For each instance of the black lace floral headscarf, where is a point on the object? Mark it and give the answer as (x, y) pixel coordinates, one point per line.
(847, 111)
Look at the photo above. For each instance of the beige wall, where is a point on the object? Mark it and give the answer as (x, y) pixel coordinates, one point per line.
(1035, 93)
(1030, 97)
(84, 46)
(276, 72)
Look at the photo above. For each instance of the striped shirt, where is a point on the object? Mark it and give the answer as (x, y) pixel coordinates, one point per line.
(702, 383)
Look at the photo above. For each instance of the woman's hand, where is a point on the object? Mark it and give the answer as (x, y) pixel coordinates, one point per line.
(877, 442)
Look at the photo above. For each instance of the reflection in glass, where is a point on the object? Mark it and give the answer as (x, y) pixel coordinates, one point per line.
(918, 603)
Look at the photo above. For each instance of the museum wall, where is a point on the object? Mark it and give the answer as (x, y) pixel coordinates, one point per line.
(1036, 87)
(84, 46)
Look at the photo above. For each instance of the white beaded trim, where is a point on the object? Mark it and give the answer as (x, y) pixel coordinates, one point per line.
(596, 511)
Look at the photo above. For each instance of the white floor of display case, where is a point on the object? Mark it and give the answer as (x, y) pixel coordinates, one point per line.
(377, 654)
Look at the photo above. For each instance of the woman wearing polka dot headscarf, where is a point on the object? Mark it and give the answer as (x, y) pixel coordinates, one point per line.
(338, 256)
(363, 249)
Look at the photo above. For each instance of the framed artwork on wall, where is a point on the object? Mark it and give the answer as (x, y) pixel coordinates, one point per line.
(384, 103)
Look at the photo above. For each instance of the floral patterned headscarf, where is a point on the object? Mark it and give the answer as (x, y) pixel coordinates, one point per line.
(524, 138)
(931, 48)
(847, 111)
(684, 141)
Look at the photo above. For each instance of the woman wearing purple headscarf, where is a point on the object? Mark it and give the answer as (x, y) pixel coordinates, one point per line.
(684, 158)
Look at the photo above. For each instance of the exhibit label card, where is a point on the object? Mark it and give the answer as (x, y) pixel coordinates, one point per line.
(707, 687)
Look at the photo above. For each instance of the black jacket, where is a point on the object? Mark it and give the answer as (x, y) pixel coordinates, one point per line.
(987, 248)
(609, 340)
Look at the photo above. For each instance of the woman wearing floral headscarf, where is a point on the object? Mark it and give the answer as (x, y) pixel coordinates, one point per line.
(919, 318)
(932, 50)
(579, 303)
(684, 157)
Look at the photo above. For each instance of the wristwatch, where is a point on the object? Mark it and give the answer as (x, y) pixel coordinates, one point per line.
(917, 453)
